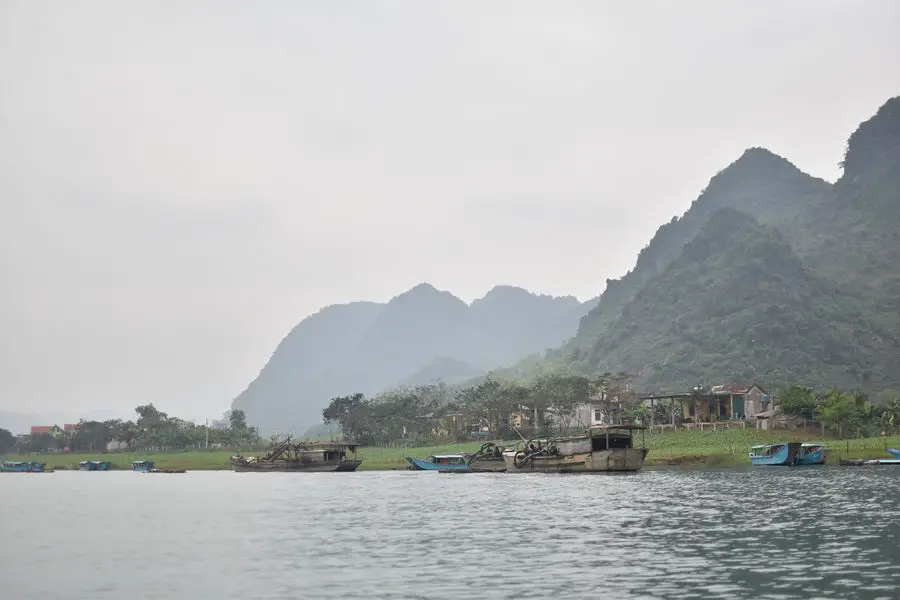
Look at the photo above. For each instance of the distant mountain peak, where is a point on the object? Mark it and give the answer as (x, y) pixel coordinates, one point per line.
(875, 145)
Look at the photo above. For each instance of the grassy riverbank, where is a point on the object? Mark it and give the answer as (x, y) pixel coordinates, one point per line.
(689, 448)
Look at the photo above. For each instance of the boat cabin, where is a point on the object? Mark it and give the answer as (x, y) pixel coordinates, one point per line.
(765, 450)
(142, 465)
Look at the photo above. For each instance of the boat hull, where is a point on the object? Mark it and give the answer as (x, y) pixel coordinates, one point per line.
(601, 461)
(284, 466)
(488, 465)
(419, 464)
(817, 457)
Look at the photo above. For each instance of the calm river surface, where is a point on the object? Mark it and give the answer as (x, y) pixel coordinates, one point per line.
(777, 533)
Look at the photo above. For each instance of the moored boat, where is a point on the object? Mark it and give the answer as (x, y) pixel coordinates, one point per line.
(313, 457)
(813, 453)
(148, 466)
(23, 466)
(602, 449)
(443, 463)
(94, 465)
(788, 454)
(488, 459)
(775, 455)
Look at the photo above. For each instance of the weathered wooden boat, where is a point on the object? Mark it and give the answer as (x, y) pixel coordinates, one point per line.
(488, 459)
(23, 466)
(894, 452)
(313, 457)
(602, 449)
(94, 465)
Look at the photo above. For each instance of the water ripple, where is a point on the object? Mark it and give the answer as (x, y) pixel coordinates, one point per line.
(778, 533)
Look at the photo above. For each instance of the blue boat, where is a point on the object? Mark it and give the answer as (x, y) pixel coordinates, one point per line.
(18, 466)
(813, 453)
(894, 452)
(780, 454)
(442, 463)
(142, 466)
(94, 465)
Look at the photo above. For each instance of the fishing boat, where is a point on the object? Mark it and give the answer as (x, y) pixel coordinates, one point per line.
(443, 463)
(23, 466)
(813, 453)
(312, 457)
(602, 449)
(488, 459)
(148, 466)
(94, 465)
(772, 455)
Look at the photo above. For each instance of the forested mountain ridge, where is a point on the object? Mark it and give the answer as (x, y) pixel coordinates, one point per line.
(740, 304)
(421, 335)
(758, 182)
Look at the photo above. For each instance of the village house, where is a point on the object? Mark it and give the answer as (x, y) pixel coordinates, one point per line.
(721, 403)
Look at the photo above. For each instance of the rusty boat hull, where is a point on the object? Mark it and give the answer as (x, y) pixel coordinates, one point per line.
(287, 466)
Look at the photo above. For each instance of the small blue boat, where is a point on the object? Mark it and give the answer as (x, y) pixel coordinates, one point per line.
(442, 463)
(772, 455)
(94, 465)
(18, 466)
(142, 466)
(813, 453)
(894, 452)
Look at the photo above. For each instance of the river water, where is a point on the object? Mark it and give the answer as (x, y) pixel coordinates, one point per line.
(758, 533)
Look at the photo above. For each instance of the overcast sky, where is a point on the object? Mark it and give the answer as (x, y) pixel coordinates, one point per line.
(182, 182)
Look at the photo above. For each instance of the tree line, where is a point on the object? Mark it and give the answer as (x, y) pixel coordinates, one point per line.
(153, 430)
(550, 405)
(855, 414)
(493, 408)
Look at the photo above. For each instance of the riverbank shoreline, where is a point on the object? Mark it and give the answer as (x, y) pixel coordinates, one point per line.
(686, 449)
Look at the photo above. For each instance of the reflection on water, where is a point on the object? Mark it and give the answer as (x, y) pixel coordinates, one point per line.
(765, 533)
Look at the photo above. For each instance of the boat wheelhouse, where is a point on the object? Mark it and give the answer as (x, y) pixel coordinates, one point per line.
(602, 448)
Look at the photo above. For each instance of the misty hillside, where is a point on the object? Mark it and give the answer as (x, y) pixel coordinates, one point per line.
(738, 303)
(819, 290)
(419, 336)
(759, 183)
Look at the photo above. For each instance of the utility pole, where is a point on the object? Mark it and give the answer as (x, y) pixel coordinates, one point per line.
(207, 433)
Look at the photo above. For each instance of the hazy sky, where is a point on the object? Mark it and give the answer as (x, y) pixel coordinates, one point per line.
(182, 182)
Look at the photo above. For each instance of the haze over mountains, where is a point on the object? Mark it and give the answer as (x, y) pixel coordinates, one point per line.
(772, 275)
(419, 336)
